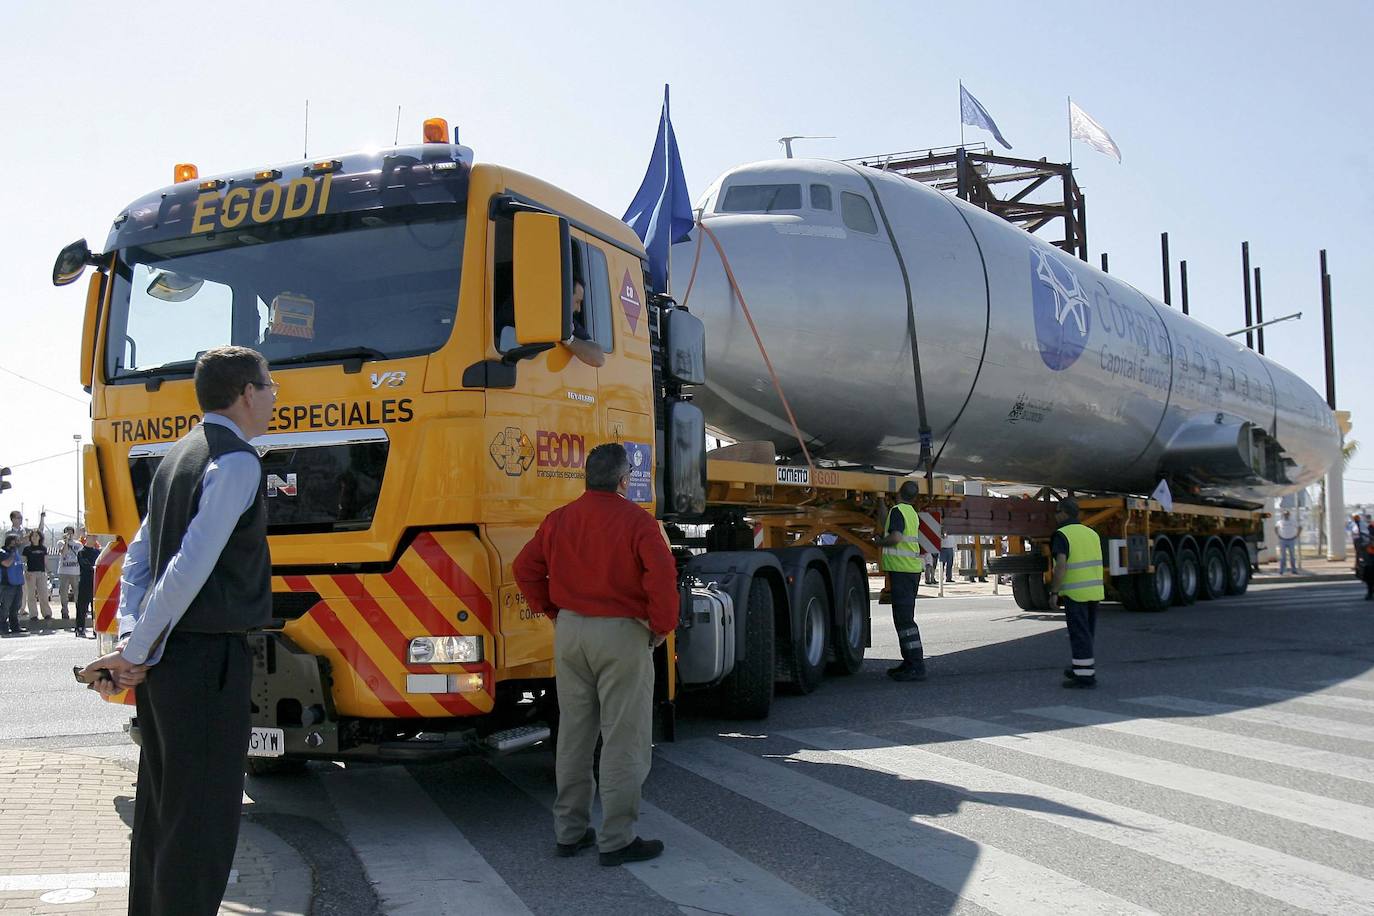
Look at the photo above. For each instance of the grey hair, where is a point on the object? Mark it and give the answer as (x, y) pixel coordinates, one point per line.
(606, 465)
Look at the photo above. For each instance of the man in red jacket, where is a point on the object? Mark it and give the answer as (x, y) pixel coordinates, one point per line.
(601, 568)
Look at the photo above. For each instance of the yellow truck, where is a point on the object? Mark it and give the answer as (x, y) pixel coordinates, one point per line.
(413, 304)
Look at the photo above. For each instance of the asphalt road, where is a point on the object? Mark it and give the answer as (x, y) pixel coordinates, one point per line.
(1223, 766)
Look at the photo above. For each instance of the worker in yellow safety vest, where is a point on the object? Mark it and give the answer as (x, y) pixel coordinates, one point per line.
(1078, 578)
(901, 544)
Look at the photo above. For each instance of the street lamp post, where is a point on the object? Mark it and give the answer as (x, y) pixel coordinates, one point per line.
(76, 438)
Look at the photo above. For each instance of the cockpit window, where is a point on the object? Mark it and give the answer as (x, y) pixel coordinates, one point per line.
(761, 198)
(857, 214)
(820, 197)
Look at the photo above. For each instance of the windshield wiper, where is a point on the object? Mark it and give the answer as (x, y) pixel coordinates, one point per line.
(352, 357)
(173, 368)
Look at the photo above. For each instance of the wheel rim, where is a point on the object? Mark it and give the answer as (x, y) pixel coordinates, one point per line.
(1164, 582)
(1240, 569)
(1188, 576)
(1216, 574)
(854, 618)
(815, 631)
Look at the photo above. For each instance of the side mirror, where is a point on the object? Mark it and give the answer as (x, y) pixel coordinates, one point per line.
(71, 263)
(542, 254)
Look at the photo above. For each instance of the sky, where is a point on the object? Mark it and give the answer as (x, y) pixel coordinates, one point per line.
(1236, 122)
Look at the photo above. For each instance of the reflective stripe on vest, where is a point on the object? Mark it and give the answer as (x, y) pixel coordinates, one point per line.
(905, 556)
(1083, 566)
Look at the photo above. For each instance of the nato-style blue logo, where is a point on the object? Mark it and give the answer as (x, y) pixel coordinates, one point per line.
(1063, 317)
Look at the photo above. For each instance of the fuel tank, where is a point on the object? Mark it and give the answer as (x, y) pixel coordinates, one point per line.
(1035, 366)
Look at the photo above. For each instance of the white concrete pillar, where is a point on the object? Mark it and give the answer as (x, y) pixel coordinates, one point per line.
(1335, 514)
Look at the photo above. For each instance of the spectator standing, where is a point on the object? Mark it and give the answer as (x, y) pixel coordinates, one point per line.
(18, 530)
(601, 568)
(36, 576)
(85, 588)
(68, 570)
(196, 579)
(11, 585)
(1288, 531)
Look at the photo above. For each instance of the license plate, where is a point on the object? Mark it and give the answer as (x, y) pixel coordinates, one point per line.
(266, 742)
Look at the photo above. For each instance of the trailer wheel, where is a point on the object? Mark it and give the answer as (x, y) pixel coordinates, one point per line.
(273, 766)
(851, 613)
(1214, 573)
(1237, 569)
(801, 654)
(747, 691)
(1153, 592)
(1189, 570)
(1020, 590)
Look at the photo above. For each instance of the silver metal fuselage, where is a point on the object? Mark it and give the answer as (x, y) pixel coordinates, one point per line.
(1036, 367)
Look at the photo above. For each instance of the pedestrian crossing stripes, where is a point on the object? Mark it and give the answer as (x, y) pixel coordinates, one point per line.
(700, 874)
(804, 779)
(1311, 759)
(418, 861)
(984, 875)
(1356, 685)
(1286, 878)
(1318, 699)
(1274, 800)
(1291, 720)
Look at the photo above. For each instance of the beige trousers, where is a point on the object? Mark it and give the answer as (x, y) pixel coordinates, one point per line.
(605, 687)
(39, 590)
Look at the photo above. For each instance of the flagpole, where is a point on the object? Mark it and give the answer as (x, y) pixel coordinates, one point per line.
(1070, 113)
(961, 113)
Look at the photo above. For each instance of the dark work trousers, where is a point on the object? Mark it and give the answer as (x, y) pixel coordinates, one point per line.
(194, 721)
(903, 590)
(1081, 616)
(11, 597)
(84, 592)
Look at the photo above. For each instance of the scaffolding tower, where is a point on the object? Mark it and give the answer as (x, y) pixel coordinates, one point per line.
(1034, 194)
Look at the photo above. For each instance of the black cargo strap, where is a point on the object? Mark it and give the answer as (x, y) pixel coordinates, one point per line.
(926, 464)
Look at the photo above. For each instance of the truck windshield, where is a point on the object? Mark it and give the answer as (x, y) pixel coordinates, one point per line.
(378, 284)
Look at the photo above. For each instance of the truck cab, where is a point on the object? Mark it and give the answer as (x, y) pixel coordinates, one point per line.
(415, 308)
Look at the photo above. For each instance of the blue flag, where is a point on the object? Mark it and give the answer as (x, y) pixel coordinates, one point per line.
(975, 115)
(661, 213)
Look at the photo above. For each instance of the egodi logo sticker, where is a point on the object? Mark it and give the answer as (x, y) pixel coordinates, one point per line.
(1063, 317)
(559, 450)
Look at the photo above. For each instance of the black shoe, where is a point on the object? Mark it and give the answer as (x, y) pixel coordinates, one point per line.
(638, 851)
(1082, 683)
(571, 849)
(915, 671)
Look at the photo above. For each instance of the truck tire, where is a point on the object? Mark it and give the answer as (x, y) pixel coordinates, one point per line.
(1212, 583)
(1189, 581)
(851, 614)
(801, 654)
(273, 766)
(1152, 593)
(1237, 569)
(1030, 592)
(747, 691)
(1020, 590)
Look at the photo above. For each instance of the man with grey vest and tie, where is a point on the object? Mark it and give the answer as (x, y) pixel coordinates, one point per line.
(196, 578)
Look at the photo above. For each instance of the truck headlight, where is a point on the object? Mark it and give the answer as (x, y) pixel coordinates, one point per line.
(441, 650)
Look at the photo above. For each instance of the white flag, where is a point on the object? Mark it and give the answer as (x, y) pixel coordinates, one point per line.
(1082, 127)
(1163, 496)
